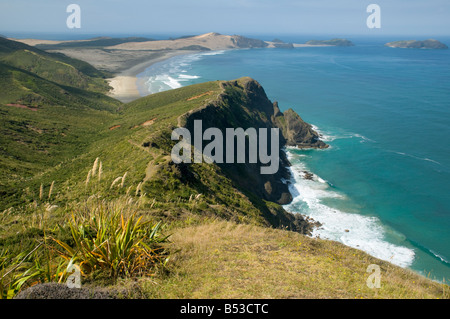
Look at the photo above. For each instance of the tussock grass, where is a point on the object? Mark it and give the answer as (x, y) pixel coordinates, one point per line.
(107, 239)
(221, 259)
(27, 269)
(115, 240)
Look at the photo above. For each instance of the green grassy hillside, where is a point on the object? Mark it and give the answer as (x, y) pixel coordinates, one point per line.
(54, 67)
(47, 117)
(26, 88)
(92, 43)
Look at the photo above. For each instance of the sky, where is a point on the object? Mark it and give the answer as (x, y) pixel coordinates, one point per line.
(246, 17)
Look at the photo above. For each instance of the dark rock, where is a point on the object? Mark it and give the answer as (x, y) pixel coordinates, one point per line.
(297, 132)
(308, 175)
(243, 42)
(195, 47)
(61, 291)
(268, 188)
(244, 104)
(283, 45)
(276, 109)
(150, 144)
(285, 198)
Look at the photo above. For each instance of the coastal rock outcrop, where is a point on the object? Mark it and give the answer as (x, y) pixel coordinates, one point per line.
(243, 42)
(277, 43)
(296, 131)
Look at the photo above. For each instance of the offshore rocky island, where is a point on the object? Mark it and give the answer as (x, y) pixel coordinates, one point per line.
(430, 44)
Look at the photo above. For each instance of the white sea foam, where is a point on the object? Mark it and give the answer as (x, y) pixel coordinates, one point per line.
(416, 157)
(363, 138)
(174, 84)
(362, 232)
(171, 74)
(161, 82)
(188, 77)
(218, 52)
(333, 61)
(328, 137)
(440, 257)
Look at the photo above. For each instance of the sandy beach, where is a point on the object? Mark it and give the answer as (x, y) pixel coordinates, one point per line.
(124, 64)
(124, 84)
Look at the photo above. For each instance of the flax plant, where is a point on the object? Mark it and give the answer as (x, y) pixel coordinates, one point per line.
(114, 240)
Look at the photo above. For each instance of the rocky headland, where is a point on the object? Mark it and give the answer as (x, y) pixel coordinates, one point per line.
(245, 104)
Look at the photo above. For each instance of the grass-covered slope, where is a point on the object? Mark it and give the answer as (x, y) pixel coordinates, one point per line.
(47, 117)
(220, 259)
(22, 87)
(32, 142)
(99, 42)
(57, 68)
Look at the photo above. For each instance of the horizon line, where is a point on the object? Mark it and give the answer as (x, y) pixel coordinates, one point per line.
(21, 34)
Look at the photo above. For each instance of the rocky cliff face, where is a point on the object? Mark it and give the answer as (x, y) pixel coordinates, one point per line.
(296, 131)
(277, 43)
(244, 104)
(243, 42)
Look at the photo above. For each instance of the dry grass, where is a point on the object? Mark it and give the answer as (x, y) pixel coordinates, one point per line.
(225, 260)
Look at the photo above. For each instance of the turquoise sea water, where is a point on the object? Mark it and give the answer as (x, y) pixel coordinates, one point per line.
(383, 186)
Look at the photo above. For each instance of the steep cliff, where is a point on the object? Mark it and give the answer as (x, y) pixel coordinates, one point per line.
(296, 131)
(244, 104)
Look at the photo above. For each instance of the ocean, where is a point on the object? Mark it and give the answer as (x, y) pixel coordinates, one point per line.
(384, 184)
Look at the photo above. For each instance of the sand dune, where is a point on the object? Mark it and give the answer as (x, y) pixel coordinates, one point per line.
(129, 59)
(208, 41)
